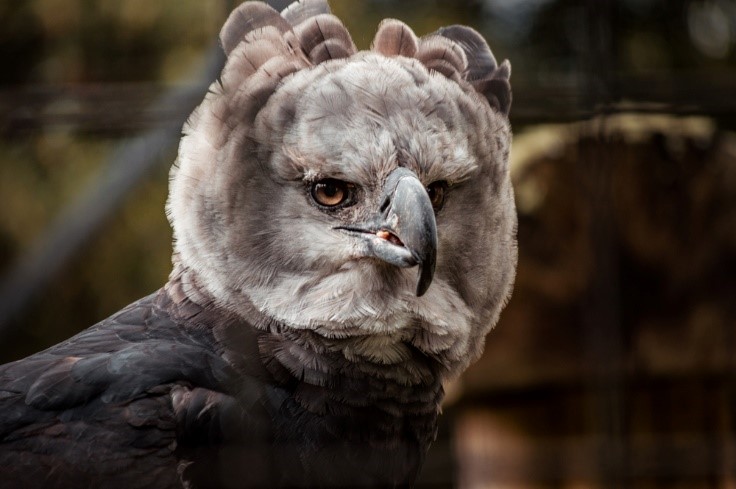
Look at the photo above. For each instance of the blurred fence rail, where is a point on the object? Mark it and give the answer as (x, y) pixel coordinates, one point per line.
(124, 108)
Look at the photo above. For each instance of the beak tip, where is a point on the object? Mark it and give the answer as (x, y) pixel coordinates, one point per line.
(425, 278)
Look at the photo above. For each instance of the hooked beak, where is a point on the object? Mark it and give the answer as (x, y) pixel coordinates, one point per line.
(405, 232)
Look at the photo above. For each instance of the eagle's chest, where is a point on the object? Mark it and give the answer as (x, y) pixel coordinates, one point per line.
(341, 444)
(335, 419)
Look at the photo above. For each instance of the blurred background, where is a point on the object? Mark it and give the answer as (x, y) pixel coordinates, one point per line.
(613, 365)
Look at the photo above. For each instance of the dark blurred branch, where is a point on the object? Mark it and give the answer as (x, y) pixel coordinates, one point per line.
(127, 166)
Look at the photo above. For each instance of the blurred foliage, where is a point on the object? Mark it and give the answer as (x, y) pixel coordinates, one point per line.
(612, 365)
(76, 41)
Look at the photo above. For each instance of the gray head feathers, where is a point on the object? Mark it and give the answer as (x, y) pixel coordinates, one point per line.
(297, 104)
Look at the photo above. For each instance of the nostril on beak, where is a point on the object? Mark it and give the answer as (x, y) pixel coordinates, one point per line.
(385, 204)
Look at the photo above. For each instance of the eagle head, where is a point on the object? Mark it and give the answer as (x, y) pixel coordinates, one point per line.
(350, 193)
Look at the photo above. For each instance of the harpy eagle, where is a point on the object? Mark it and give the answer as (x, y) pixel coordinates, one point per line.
(344, 232)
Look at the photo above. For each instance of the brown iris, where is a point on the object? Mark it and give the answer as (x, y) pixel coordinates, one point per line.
(437, 192)
(331, 192)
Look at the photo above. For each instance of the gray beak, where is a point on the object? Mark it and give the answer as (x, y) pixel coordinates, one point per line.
(405, 232)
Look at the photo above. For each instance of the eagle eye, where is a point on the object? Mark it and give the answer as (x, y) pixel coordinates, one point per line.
(331, 192)
(437, 191)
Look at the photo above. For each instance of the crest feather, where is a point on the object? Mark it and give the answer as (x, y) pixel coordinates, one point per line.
(497, 91)
(248, 17)
(330, 49)
(480, 59)
(443, 55)
(394, 38)
(324, 29)
(300, 11)
(259, 47)
(483, 72)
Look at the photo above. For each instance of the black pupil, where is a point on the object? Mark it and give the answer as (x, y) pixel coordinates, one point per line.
(330, 189)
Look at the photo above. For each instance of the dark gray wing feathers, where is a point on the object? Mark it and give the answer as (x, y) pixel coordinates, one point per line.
(87, 408)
